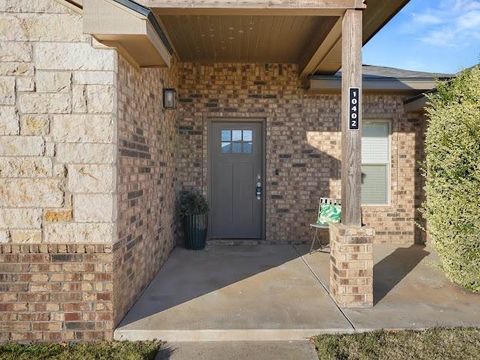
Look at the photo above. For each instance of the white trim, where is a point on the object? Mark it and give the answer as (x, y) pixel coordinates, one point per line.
(389, 164)
(394, 85)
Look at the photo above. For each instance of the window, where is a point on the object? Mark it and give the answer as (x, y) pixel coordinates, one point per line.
(375, 162)
(236, 141)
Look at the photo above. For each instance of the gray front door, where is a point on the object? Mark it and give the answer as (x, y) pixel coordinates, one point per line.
(236, 153)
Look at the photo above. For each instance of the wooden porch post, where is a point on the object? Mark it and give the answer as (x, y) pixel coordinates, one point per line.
(351, 117)
(351, 267)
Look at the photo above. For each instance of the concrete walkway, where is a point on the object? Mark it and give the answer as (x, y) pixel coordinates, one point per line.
(279, 293)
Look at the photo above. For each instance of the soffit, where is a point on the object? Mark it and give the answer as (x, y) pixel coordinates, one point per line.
(260, 39)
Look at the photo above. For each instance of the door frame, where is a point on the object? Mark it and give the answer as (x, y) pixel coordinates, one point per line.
(263, 134)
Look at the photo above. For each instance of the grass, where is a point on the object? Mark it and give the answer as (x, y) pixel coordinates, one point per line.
(433, 344)
(114, 350)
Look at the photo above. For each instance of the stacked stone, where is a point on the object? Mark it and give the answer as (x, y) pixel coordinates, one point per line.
(57, 175)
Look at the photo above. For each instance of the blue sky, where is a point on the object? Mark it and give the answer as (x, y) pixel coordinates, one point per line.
(429, 35)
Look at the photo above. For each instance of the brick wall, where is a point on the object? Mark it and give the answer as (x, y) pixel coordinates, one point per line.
(302, 144)
(55, 292)
(146, 192)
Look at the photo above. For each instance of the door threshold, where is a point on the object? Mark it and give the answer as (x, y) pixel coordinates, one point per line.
(213, 242)
(235, 241)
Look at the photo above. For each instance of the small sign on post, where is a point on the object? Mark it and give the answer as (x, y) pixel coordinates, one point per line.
(353, 108)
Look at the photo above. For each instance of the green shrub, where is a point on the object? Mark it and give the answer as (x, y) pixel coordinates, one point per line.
(192, 203)
(452, 169)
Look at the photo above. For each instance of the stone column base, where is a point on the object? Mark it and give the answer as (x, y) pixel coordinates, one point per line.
(351, 265)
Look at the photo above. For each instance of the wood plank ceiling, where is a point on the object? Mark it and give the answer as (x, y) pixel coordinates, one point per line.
(258, 39)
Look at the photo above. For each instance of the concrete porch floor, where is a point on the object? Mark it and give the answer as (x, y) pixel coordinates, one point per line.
(279, 292)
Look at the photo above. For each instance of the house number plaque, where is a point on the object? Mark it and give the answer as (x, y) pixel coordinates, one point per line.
(354, 108)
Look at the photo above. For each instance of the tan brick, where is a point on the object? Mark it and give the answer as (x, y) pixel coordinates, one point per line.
(78, 153)
(33, 6)
(78, 233)
(26, 236)
(39, 277)
(94, 77)
(101, 99)
(73, 56)
(20, 146)
(44, 103)
(20, 218)
(41, 27)
(9, 120)
(38, 167)
(25, 84)
(16, 68)
(15, 51)
(4, 236)
(93, 207)
(58, 215)
(351, 282)
(53, 81)
(33, 124)
(79, 99)
(91, 178)
(83, 128)
(7, 90)
(30, 193)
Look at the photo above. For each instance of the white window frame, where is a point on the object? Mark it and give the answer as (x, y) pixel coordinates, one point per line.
(389, 164)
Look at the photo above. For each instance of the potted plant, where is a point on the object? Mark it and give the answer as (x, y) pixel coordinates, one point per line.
(194, 213)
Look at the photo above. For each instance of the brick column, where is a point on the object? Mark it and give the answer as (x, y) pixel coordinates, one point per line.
(351, 265)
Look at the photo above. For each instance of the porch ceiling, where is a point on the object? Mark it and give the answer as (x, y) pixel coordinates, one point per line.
(258, 39)
(307, 33)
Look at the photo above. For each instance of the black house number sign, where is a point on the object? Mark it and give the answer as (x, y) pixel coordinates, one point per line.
(354, 108)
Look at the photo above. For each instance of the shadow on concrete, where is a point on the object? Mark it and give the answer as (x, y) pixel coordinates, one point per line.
(394, 268)
(188, 275)
(165, 353)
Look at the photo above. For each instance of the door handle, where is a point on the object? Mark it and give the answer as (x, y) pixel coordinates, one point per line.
(258, 188)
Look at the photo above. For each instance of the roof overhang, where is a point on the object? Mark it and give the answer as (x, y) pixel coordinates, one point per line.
(332, 84)
(416, 104)
(328, 57)
(304, 32)
(254, 7)
(319, 51)
(130, 27)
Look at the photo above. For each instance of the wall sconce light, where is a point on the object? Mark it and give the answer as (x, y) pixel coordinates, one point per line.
(169, 98)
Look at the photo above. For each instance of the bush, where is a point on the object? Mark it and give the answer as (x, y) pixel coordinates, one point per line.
(452, 170)
(192, 203)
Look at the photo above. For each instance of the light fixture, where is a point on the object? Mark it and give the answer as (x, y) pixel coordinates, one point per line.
(169, 98)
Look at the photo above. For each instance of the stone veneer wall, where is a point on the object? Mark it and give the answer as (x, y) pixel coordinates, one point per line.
(302, 144)
(57, 175)
(86, 177)
(146, 175)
